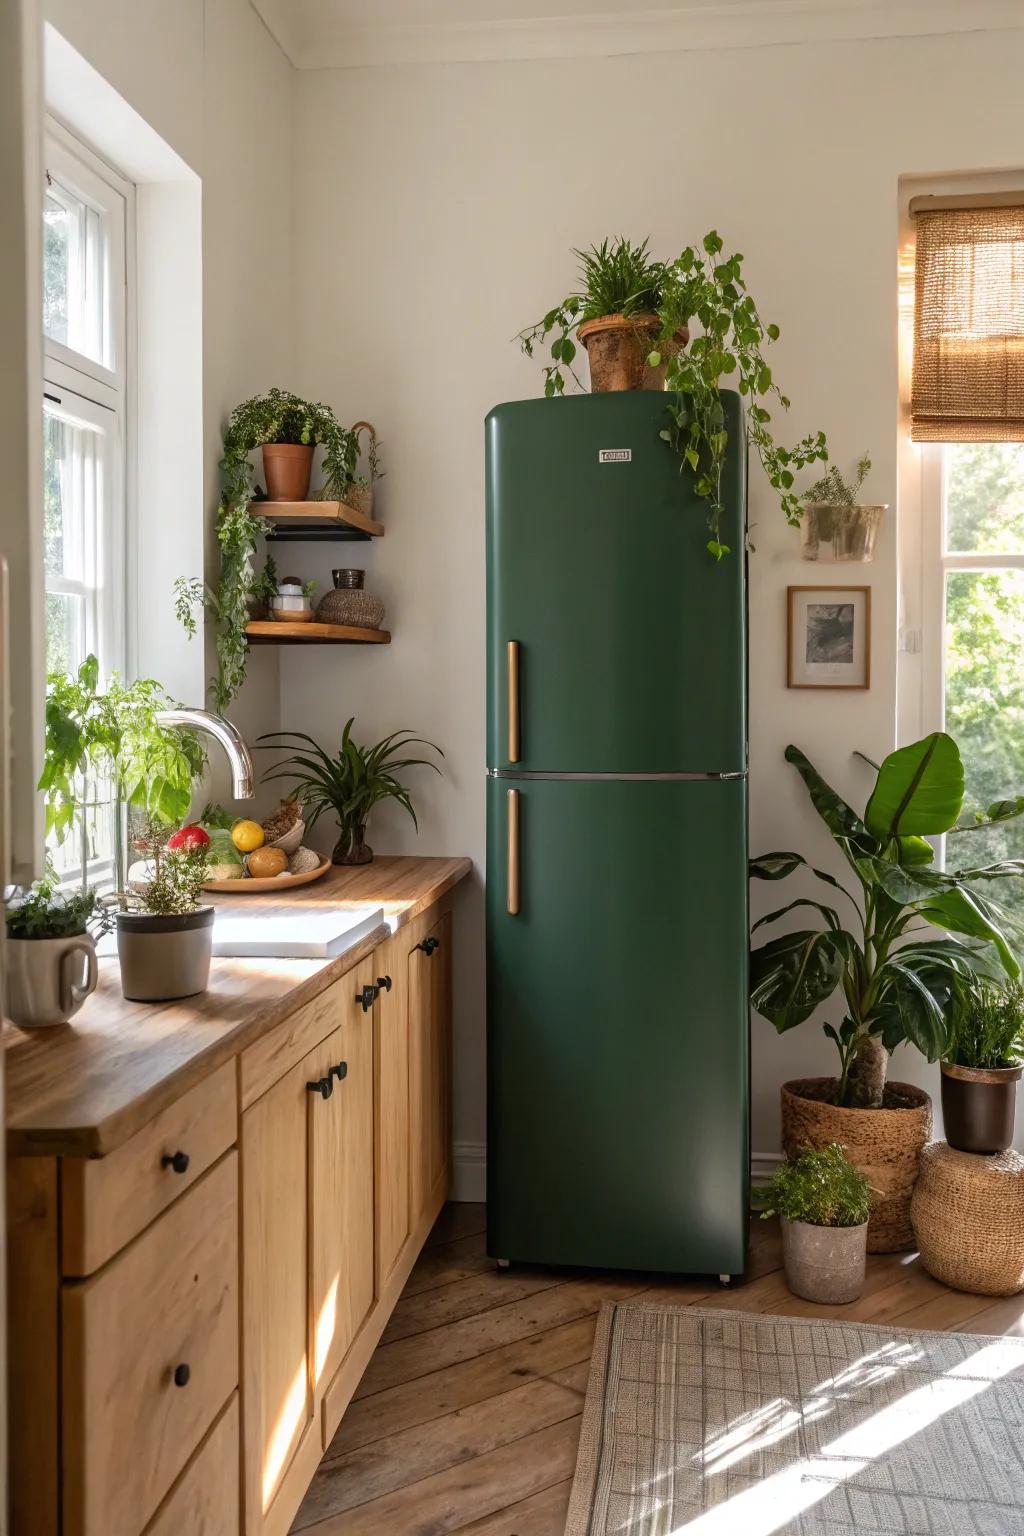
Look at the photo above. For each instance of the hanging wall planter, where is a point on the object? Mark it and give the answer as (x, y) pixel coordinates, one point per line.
(832, 531)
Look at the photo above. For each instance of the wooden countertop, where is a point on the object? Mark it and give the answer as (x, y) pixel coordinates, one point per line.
(83, 1088)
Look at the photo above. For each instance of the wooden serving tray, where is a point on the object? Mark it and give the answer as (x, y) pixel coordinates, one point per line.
(251, 885)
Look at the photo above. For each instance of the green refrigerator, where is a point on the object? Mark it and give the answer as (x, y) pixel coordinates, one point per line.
(618, 1023)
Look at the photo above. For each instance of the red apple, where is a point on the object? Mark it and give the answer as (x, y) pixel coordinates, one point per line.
(189, 839)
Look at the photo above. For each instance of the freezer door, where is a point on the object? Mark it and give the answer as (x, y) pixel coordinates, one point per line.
(615, 642)
(618, 1024)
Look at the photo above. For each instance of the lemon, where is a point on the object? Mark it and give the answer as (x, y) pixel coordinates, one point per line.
(247, 835)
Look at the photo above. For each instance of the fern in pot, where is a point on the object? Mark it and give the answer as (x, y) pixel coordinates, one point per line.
(165, 933)
(982, 1064)
(823, 1203)
(348, 785)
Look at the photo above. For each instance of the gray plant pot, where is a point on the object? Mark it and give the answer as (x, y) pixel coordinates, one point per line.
(164, 957)
(48, 980)
(824, 1264)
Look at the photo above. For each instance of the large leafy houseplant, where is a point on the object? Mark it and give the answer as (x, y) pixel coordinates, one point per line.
(348, 785)
(702, 285)
(274, 417)
(895, 975)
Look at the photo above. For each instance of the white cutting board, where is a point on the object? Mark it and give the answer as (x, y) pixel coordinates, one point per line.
(302, 935)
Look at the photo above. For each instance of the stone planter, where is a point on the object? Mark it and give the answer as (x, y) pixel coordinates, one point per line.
(978, 1107)
(164, 957)
(48, 980)
(885, 1144)
(831, 532)
(824, 1264)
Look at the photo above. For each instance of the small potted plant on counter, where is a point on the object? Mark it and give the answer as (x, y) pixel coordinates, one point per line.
(823, 1203)
(51, 954)
(982, 1065)
(165, 936)
(348, 785)
(836, 526)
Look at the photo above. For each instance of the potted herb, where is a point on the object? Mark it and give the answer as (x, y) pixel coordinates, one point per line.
(823, 1203)
(348, 785)
(50, 954)
(836, 526)
(275, 418)
(634, 304)
(165, 938)
(894, 976)
(982, 1065)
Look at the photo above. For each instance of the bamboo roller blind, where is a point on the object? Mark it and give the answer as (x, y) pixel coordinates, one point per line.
(968, 376)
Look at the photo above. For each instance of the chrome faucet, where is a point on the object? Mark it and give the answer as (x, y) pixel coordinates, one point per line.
(242, 772)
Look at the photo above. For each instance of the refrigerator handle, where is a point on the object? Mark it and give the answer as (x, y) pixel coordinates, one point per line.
(512, 893)
(513, 701)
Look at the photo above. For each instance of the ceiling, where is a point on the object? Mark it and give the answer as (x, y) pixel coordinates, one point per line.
(340, 34)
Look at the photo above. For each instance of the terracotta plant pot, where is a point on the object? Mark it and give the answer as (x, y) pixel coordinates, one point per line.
(287, 468)
(164, 957)
(885, 1144)
(352, 847)
(978, 1107)
(617, 349)
(824, 1264)
(48, 980)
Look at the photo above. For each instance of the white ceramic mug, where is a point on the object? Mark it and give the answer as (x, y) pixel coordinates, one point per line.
(48, 980)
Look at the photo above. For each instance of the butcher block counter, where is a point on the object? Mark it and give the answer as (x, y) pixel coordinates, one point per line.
(212, 1208)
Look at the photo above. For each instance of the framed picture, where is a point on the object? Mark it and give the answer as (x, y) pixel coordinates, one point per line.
(829, 637)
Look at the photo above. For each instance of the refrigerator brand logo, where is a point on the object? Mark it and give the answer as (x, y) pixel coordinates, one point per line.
(614, 455)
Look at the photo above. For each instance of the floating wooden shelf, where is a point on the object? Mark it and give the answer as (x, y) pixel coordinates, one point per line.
(316, 520)
(274, 632)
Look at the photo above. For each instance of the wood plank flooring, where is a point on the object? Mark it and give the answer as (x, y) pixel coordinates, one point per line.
(468, 1415)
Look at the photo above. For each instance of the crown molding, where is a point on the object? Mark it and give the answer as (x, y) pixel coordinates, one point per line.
(315, 34)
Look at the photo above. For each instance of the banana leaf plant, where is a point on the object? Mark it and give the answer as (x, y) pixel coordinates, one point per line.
(350, 784)
(894, 973)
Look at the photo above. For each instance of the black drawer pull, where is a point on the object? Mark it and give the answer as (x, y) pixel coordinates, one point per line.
(324, 1086)
(177, 1160)
(181, 1375)
(340, 1071)
(429, 945)
(385, 982)
(367, 996)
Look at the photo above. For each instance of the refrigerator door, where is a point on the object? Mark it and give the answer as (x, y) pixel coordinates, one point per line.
(618, 1023)
(615, 642)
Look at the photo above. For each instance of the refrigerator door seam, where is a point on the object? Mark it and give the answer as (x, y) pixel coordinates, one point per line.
(513, 773)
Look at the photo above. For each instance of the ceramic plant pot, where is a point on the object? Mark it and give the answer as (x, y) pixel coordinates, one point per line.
(164, 957)
(287, 468)
(824, 1264)
(48, 980)
(836, 533)
(978, 1107)
(617, 349)
(885, 1144)
(352, 847)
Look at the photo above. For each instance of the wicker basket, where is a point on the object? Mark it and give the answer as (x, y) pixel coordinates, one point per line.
(350, 606)
(885, 1144)
(968, 1215)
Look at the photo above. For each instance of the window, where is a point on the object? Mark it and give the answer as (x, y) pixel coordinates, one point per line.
(86, 211)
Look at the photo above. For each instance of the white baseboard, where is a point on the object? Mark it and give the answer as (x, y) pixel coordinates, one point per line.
(469, 1171)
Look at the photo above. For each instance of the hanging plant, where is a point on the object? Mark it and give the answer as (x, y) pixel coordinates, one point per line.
(274, 417)
(661, 300)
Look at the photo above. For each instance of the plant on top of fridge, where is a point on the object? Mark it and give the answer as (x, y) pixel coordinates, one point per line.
(897, 978)
(656, 303)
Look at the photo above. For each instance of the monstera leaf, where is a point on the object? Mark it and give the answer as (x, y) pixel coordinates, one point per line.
(919, 791)
(791, 975)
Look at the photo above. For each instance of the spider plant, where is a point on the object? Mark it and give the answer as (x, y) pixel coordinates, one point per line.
(348, 785)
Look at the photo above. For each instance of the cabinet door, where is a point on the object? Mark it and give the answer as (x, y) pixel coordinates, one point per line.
(277, 1394)
(392, 1109)
(341, 1181)
(429, 982)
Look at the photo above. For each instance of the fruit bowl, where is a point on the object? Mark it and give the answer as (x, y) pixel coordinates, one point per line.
(250, 886)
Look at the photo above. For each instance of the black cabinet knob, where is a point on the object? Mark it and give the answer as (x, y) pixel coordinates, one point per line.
(177, 1160)
(324, 1086)
(385, 982)
(181, 1375)
(340, 1071)
(367, 996)
(429, 945)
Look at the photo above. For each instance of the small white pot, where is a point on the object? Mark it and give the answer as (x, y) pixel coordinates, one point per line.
(48, 980)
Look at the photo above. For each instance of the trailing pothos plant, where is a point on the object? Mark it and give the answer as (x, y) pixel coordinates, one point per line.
(894, 985)
(274, 417)
(704, 286)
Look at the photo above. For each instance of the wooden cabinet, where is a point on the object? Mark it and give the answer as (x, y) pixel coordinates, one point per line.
(204, 1500)
(429, 987)
(393, 1217)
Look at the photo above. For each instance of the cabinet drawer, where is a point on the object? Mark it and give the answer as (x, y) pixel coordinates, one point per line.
(150, 1356)
(109, 1200)
(205, 1499)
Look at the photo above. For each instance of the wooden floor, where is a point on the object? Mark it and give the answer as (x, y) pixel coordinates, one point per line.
(468, 1415)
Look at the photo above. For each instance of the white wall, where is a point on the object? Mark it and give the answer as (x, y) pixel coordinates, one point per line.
(435, 207)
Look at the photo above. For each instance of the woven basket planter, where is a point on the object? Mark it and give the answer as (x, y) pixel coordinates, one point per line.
(885, 1144)
(350, 607)
(968, 1215)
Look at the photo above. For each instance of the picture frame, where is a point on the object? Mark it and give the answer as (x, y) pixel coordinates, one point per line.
(828, 637)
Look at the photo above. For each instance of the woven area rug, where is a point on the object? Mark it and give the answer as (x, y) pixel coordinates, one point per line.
(718, 1423)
